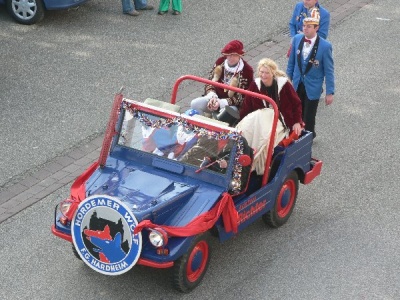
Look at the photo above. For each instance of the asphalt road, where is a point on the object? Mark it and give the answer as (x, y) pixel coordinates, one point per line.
(343, 239)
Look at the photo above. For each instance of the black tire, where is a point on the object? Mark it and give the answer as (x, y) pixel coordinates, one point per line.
(75, 252)
(26, 11)
(284, 203)
(190, 268)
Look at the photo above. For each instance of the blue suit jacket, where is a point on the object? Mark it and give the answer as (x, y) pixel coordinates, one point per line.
(314, 78)
(299, 13)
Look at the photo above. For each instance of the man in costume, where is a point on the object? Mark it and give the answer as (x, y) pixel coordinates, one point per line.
(309, 9)
(311, 61)
(305, 9)
(232, 70)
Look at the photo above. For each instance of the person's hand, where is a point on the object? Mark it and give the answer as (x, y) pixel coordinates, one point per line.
(213, 104)
(206, 161)
(158, 152)
(223, 164)
(211, 94)
(297, 129)
(328, 99)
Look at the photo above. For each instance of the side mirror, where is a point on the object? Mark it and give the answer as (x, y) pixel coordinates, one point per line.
(244, 160)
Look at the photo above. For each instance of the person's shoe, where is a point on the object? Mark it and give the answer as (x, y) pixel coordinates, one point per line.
(147, 7)
(162, 13)
(175, 12)
(228, 115)
(134, 13)
(233, 112)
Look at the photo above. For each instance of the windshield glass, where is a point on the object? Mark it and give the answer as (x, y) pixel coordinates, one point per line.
(177, 138)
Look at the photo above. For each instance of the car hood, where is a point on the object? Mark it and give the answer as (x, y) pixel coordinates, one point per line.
(138, 189)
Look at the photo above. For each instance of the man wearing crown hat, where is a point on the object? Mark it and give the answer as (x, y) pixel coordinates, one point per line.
(309, 8)
(230, 69)
(311, 61)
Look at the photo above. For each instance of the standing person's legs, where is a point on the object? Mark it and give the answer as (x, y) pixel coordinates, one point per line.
(309, 109)
(200, 104)
(142, 5)
(177, 5)
(164, 6)
(310, 113)
(127, 6)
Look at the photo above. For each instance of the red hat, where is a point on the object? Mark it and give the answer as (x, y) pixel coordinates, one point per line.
(233, 47)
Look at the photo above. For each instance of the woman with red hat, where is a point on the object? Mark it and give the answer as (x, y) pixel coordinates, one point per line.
(230, 69)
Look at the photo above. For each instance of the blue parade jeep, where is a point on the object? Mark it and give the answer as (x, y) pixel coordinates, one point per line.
(166, 182)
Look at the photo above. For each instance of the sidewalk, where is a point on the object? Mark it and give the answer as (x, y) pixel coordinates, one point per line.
(63, 170)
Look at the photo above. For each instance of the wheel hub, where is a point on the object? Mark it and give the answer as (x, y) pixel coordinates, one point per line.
(285, 198)
(196, 262)
(24, 8)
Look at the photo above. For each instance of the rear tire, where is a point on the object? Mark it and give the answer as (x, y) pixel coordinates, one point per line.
(190, 268)
(284, 202)
(26, 11)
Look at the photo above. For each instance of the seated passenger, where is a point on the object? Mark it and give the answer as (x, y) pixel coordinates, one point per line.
(204, 147)
(219, 163)
(232, 70)
(256, 128)
(274, 83)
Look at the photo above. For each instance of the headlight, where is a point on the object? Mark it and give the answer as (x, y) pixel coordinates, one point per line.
(68, 208)
(65, 206)
(158, 237)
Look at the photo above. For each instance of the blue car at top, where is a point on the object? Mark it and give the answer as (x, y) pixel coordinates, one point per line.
(32, 11)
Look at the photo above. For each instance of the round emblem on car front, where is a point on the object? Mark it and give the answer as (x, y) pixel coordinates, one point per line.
(102, 232)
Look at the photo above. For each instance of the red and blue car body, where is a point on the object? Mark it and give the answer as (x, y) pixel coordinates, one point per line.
(175, 202)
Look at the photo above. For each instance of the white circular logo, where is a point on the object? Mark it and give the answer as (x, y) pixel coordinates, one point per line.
(102, 232)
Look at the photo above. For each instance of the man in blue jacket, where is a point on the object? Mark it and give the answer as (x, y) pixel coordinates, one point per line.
(311, 61)
(304, 9)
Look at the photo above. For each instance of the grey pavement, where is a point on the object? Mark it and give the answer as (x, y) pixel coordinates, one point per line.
(62, 170)
(342, 240)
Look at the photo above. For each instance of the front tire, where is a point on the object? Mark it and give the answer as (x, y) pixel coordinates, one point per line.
(284, 202)
(189, 269)
(26, 11)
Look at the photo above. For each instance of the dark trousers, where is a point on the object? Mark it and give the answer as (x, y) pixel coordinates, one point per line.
(309, 107)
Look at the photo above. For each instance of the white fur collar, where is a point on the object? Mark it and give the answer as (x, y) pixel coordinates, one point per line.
(280, 80)
(235, 69)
